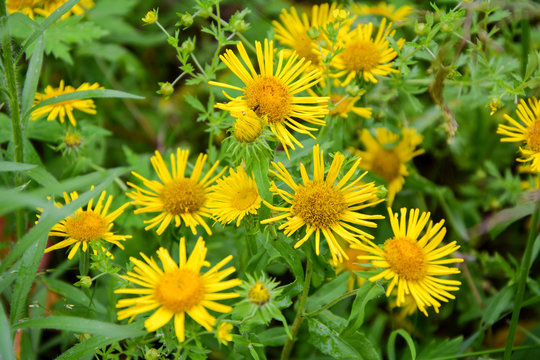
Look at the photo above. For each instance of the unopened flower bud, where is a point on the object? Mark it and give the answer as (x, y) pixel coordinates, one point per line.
(166, 89)
(240, 26)
(186, 20)
(420, 28)
(313, 33)
(152, 354)
(84, 282)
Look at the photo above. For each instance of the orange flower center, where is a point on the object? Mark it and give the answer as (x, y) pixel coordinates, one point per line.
(244, 199)
(182, 196)
(386, 164)
(318, 204)
(258, 294)
(361, 55)
(406, 258)
(85, 226)
(180, 290)
(533, 139)
(352, 263)
(267, 95)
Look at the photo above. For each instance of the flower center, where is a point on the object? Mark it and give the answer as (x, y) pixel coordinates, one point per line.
(386, 164)
(258, 294)
(405, 257)
(182, 196)
(244, 198)
(534, 136)
(318, 204)
(352, 263)
(180, 290)
(304, 49)
(361, 55)
(85, 226)
(72, 140)
(267, 95)
(341, 107)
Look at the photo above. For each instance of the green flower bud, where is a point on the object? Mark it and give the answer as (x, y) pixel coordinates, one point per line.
(166, 89)
(84, 281)
(240, 25)
(188, 46)
(186, 20)
(152, 354)
(420, 28)
(382, 192)
(205, 12)
(313, 33)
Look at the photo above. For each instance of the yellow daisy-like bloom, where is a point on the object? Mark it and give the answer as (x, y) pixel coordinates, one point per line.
(176, 289)
(366, 56)
(345, 105)
(247, 126)
(351, 265)
(49, 6)
(271, 94)
(527, 131)
(324, 206)
(234, 197)
(389, 11)
(64, 108)
(223, 333)
(292, 31)
(150, 17)
(25, 7)
(387, 154)
(175, 196)
(87, 225)
(414, 263)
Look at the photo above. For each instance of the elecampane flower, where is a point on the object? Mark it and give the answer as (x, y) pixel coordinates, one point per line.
(272, 94)
(87, 225)
(364, 55)
(351, 265)
(389, 11)
(175, 197)
(177, 289)
(344, 105)
(414, 263)
(223, 333)
(234, 197)
(64, 108)
(325, 205)
(526, 131)
(387, 155)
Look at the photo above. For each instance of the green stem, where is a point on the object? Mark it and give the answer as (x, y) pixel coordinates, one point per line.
(84, 261)
(523, 275)
(299, 313)
(332, 303)
(525, 44)
(16, 121)
(485, 352)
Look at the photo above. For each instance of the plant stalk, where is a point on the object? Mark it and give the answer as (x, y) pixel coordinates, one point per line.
(523, 275)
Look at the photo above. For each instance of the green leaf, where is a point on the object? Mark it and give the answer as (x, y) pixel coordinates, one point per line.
(260, 173)
(51, 19)
(84, 94)
(82, 325)
(363, 345)
(330, 342)
(289, 255)
(367, 292)
(195, 103)
(392, 343)
(15, 166)
(32, 77)
(88, 347)
(440, 348)
(328, 292)
(497, 304)
(73, 294)
(26, 274)
(6, 345)
(42, 176)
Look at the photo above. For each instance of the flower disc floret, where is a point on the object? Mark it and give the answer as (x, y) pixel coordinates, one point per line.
(319, 204)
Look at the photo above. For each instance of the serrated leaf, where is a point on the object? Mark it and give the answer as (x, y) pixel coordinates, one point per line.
(194, 102)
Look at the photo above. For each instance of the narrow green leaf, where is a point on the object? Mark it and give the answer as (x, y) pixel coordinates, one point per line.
(290, 257)
(195, 103)
(497, 304)
(42, 176)
(84, 94)
(32, 77)
(82, 325)
(392, 342)
(15, 166)
(73, 294)
(367, 292)
(328, 292)
(51, 19)
(88, 347)
(6, 345)
(26, 275)
(260, 172)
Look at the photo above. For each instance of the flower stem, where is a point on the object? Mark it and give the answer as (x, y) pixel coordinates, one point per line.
(299, 313)
(332, 303)
(523, 275)
(16, 121)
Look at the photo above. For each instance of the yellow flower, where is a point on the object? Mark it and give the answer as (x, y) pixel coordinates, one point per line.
(87, 225)
(223, 333)
(494, 105)
(340, 14)
(366, 56)
(259, 294)
(49, 6)
(64, 108)
(292, 31)
(271, 94)
(389, 11)
(151, 17)
(72, 140)
(415, 265)
(527, 131)
(175, 196)
(351, 265)
(324, 206)
(247, 126)
(387, 154)
(21, 6)
(345, 105)
(234, 197)
(176, 289)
